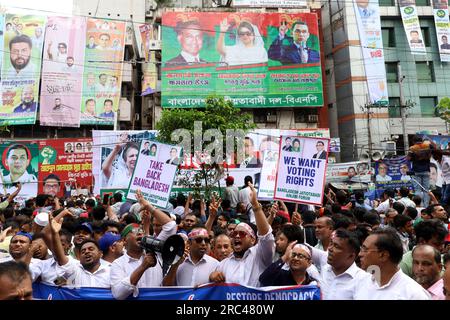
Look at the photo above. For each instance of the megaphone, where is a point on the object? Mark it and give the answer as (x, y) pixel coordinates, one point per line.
(171, 250)
(377, 155)
(365, 156)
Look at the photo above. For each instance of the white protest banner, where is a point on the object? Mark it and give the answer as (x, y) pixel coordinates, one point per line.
(441, 23)
(301, 170)
(154, 172)
(411, 25)
(268, 175)
(357, 171)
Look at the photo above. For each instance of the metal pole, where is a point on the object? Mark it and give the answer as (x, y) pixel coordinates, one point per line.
(402, 108)
(369, 132)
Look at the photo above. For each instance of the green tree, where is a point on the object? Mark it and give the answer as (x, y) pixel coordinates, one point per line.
(443, 109)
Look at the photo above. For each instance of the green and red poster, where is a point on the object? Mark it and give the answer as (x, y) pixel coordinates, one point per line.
(252, 59)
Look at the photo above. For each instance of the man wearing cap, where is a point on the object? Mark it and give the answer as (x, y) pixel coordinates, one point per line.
(231, 192)
(82, 232)
(136, 268)
(20, 248)
(112, 247)
(248, 260)
(197, 266)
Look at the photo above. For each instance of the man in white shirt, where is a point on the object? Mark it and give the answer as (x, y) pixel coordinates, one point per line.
(197, 266)
(339, 276)
(20, 48)
(323, 229)
(388, 197)
(382, 175)
(405, 200)
(137, 269)
(20, 249)
(248, 260)
(380, 255)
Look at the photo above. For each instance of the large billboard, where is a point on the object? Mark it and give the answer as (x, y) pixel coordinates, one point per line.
(252, 59)
(21, 68)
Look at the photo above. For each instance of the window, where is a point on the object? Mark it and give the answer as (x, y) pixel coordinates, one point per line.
(264, 115)
(301, 115)
(426, 36)
(386, 3)
(394, 107)
(388, 37)
(424, 71)
(391, 72)
(427, 106)
(422, 3)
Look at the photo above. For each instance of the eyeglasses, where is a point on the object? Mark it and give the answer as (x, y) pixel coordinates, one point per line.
(241, 234)
(137, 230)
(300, 256)
(200, 240)
(247, 33)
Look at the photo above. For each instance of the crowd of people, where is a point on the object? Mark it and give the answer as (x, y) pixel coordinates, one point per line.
(390, 249)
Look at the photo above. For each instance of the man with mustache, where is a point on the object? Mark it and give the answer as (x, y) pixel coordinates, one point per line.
(20, 48)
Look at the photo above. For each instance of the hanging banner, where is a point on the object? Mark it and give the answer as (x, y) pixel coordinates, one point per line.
(114, 157)
(335, 145)
(154, 173)
(19, 164)
(392, 173)
(62, 71)
(411, 25)
(369, 28)
(2, 32)
(105, 43)
(252, 59)
(301, 170)
(21, 68)
(357, 171)
(64, 164)
(441, 22)
(150, 75)
(226, 291)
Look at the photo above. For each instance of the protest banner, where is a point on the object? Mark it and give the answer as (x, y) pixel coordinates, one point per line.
(241, 56)
(301, 170)
(21, 68)
(105, 43)
(225, 291)
(357, 171)
(268, 175)
(62, 71)
(19, 164)
(411, 25)
(154, 173)
(114, 157)
(335, 145)
(62, 161)
(392, 173)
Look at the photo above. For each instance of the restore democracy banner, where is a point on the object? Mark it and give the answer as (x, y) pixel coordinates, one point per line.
(252, 59)
(301, 170)
(229, 291)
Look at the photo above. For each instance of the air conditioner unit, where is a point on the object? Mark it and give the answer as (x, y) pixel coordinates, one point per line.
(154, 45)
(271, 118)
(391, 148)
(312, 118)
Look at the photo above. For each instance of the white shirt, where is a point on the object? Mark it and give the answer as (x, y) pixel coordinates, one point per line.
(28, 72)
(407, 202)
(190, 58)
(244, 196)
(123, 267)
(337, 287)
(77, 276)
(48, 270)
(400, 287)
(246, 270)
(190, 274)
(380, 178)
(383, 207)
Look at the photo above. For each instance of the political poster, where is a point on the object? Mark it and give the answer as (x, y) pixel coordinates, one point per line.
(335, 145)
(114, 157)
(270, 3)
(252, 59)
(65, 164)
(301, 170)
(411, 25)
(392, 173)
(21, 68)
(349, 172)
(62, 71)
(19, 164)
(105, 43)
(369, 28)
(266, 188)
(154, 173)
(441, 23)
(2, 31)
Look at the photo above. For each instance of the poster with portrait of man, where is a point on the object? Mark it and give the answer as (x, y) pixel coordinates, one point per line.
(392, 173)
(19, 164)
(21, 68)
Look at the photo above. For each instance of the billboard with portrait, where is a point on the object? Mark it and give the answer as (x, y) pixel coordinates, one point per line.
(19, 164)
(252, 59)
(392, 173)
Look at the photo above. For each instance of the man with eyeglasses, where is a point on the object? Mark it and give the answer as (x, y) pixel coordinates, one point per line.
(137, 268)
(296, 50)
(197, 266)
(380, 256)
(249, 259)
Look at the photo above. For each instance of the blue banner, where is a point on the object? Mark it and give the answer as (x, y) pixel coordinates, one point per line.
(392, 174)
(228, 291)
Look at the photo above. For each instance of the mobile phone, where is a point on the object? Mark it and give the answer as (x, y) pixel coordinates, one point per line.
(106, 199)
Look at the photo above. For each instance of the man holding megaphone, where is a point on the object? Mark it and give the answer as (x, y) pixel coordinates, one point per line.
(138, 268)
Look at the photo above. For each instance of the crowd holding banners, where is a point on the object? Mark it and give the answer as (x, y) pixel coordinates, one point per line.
(251, 58)
(21, 68)
(62, 71)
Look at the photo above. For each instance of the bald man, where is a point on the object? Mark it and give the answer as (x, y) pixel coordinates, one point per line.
(427, 267)
(324, 229)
